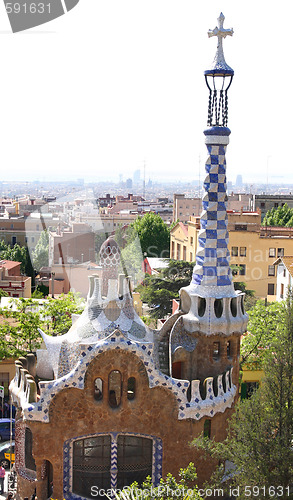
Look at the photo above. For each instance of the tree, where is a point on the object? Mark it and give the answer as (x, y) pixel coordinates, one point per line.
(169, 488)
(281, 216)
(260, 434)
(19, 331)
(266, 323)
(158, 291)
(249, 300)
(15, 253)
(153, 233)
(40, 292)
(58, 312)
(41, 252)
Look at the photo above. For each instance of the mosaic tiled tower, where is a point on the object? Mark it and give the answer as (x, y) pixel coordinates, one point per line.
(212, 304)
(212, 258)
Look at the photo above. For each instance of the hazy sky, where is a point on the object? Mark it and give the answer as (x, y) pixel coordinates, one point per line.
(116, 83)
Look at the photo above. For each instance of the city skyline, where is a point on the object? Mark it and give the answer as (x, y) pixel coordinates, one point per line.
(107, 89)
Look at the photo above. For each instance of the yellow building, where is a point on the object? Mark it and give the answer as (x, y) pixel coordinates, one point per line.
(251, 380)
(253, 248)
(7, 373)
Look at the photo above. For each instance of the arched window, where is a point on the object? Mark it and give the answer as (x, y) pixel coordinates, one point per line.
(207, 428)
(218, 307)
(29, 459)
(233, 307)
(216, 350)
(201, 306)
(98, 389)
(115, 388)
(131, 388)
(229, 349)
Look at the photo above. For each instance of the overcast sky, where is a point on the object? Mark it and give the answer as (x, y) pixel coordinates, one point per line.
(116, 83)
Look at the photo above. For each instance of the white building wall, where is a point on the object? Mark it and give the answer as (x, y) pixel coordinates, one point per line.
(284, 281)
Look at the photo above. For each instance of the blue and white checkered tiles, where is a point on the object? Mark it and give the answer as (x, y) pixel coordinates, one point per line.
(212, 258)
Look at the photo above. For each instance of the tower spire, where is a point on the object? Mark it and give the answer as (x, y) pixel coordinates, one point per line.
(214, 302)
(219, 78)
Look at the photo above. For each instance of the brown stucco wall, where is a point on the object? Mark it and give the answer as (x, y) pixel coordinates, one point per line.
(75, 412)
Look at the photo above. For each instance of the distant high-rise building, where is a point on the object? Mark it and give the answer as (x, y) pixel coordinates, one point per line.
(239, 182)
(136, 177)
(129, 183)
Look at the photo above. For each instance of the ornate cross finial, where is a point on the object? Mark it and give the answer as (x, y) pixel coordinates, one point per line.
(220, 32)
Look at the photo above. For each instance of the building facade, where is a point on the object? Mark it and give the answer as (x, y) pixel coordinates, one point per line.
(284, 273)
(253, 249)
(265, 202)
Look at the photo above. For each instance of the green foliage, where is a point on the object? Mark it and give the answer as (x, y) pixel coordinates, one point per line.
(37, 294)
(249, 300)
(18, 254)
(22, 318)
(58, 311)
(148, 321)
(281, 216)
(15, 253)
(260, 434)
(132, 260)
(3, 293)
(153, 233)
(169, 488)
(159, 290)
(41, 251)
(19, 331)
(40, 292)
(99, 240)
(265, 326)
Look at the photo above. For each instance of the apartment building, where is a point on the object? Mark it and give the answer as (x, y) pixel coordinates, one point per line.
(184, 208)
(265, 202)
(73, 245)
(25, 231)
(253, 249)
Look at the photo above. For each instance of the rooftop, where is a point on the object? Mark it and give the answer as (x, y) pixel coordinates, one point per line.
(9, 264)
